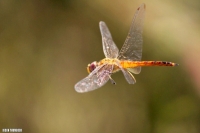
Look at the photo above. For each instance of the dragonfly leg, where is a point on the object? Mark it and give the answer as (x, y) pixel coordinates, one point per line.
(112, 81)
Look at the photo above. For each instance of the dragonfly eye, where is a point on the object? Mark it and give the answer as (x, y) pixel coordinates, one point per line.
(91, 67)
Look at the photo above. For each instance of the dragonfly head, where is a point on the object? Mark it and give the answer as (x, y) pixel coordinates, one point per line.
(91, 66)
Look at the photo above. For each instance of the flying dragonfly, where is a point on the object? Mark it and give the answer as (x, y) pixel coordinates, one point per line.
(128, 59)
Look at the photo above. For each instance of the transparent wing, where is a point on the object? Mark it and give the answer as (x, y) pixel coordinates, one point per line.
(128, 76)
(94, 80)
(109, 48)
(132, 48)
(135, 70)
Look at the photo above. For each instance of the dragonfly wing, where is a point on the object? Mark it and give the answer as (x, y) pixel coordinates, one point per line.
(94, 80)
(135, 70)
(109, 48)
(132, 48)
(128, 76)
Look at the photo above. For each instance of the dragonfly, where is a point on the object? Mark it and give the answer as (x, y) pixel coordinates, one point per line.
(128, 59)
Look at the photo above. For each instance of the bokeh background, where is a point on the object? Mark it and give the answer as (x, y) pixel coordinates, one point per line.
(46, 45)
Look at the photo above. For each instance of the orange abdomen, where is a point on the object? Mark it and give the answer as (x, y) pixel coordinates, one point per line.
(131, 64)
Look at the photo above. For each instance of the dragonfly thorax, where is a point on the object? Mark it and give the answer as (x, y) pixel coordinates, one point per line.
(91, 66)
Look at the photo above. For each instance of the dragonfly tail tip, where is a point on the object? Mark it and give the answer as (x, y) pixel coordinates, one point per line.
(175, 64)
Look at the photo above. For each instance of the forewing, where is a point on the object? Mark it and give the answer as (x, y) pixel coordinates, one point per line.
(109, 48)
(132, 48)
(94, 80)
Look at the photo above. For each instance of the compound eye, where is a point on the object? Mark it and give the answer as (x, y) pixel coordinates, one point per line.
(92, 67)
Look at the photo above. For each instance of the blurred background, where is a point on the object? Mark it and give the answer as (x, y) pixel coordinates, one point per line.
(45, 47)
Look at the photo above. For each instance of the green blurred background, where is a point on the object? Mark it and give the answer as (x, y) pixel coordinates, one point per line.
(45, 47)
